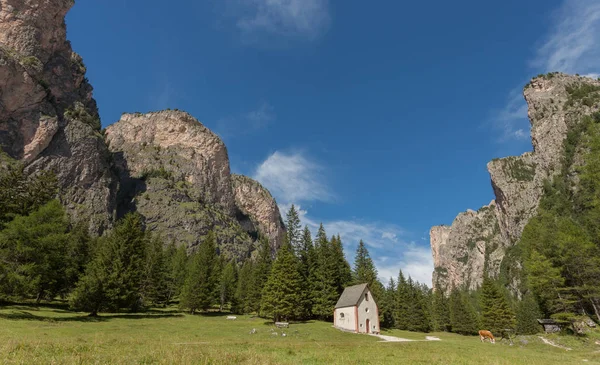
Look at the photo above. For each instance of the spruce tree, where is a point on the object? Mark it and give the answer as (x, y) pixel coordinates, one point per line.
(260, 275)
(199, 288)
(242, 304)
(307, 265)
(387, 305)
(495, 310)
(176, 261)
(113, 279)
(401, 308)
(34, 251)
(440, 312)
(527, 315)
(462, 315)
(227, 284)
(282, 297)
(343, 275)
(418, 314)
(154, 289)
(294, 229)
(325, 293)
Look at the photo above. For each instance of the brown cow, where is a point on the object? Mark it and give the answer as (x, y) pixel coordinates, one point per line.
(483, 334)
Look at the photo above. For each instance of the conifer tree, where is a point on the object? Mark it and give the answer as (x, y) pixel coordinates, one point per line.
(227, 284)
(325, 293)
(418, 314)
(281, 297)
(440, 312)
(294, 229)
(199, 288)
(401, 307)
(154, 289)
(495, 310)
(113, 278)
(343, 275)
(260, 275)
(387, 305)
(34, 251)
(462, 315)
(177, 260)
(307, 267)
(242, 304)
(527, 315)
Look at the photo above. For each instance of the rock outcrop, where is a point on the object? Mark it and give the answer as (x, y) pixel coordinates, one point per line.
(48, 118)
(556, 104)
(256, 202)
(175, 172)
(165, 165)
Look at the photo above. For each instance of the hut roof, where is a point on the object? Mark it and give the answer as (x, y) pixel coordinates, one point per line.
(351, 295)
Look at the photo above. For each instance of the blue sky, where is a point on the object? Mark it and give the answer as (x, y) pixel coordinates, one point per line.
(376, 118)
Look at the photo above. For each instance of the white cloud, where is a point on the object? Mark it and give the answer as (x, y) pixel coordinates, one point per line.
(291, 177)
(573, 44)
(512, 119)
(305, 19)
(386, 242)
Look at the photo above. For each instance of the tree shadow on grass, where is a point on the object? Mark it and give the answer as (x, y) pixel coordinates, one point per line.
(27, 316)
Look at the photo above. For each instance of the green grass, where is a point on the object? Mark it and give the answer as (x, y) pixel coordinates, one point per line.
(53, 335)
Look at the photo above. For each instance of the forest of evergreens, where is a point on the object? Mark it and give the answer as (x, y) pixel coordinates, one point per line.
(45, 257)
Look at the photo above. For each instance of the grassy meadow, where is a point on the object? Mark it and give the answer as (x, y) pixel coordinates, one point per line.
(54, 335)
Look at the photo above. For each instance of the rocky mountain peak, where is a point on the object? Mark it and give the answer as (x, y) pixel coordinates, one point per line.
(556, 103)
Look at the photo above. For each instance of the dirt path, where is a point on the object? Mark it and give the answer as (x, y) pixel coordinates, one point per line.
(548, 342)
(399, 339)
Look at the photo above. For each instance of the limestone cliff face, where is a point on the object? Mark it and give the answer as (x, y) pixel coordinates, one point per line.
(463, 251)
(256, 202)
(175, 172)
(48, 118)
(517, 183)
(165, 165)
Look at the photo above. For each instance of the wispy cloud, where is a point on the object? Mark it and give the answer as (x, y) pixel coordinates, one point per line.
(299, 19)
(512, 120)
(244, 123)
(390, 246)
(262, 116)
(292, 177)
(572, 45)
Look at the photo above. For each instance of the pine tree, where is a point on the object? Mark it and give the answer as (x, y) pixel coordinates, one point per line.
(242, 304)
(260, 275)
(325, 293)
(227, 284)
(22, 194)
(495, 310)
(294, 229)
(281, 296)
(401, 308)
(462, 315)
(34, 251)
(199, 288)
(113, 278)
(343, 276)
(388, 304)
(528, 313)
(307, 264)
(175, 258)
(418, 314)
(154, 289)
(440, 312)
